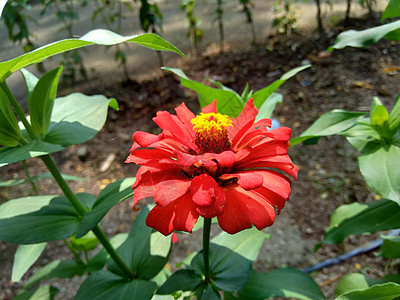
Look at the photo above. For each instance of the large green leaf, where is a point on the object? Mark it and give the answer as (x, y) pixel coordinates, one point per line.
(386, 291)
(42, 99)
(356, 281)
(231, 258)
(375, 216)
(363, 137)
(381, 171)
(181, 280)
(334, 122)
(286, 282)
(390, 247)
(24, 258)
(111, 195)
(10, 134)
(392, 10)
(35, 148)
(108, 286)
(145, 251)
(38, 219)
(262, 95)
(56, 269)
(99, 37)
(363, 38)
(77, 118)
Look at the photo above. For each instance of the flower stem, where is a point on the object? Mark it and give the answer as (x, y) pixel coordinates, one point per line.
(81, 210)
(78, 258)
(206, 249)
(29, 177)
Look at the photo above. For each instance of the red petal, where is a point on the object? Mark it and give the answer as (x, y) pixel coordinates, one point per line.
(202, 190)
(247, 179)
(185, 214)
(145, 139)
(281, 162)
(217, 208)
(185, 115)
(243, 122)
(225, 159)
(172, 123)
(161, 218)
(169, 190)
(211, 108)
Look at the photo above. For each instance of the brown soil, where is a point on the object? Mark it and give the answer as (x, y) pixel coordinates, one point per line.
(329, 176)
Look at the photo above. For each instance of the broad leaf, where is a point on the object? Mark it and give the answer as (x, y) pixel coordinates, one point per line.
(38, 219)
(390, 247)
(228, 101)
(363, 137)
(35, 148)
(10, 134)
(392, 10)
(231, 258)
(108, 286)
(181, 280)
(286, 282)
(43, 292)
(77, 118)
(56, 269)
(262, 95)
(376, 216)
(42, 100)
(85, 243)
(99, 37)
(24, 258)
(268, 107)
(363, 38)
(334, 122)
(356, 281)
(145, 251)
(381, 171)
(386, 291)
(110, 196)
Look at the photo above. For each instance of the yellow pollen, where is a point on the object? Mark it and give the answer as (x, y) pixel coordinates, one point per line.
(211, 123)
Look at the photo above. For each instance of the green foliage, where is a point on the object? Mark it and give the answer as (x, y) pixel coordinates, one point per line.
(25, 257)
(230, 102)
(392, 10)
(387, 291)
(10, 134)
(390, 247)
(285, 282)
(84, 243)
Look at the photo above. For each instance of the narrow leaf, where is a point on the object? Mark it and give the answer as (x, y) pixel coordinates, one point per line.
(10, 134)
(388, 291)
(30, 80)
(390, 247)
(381, 171)
(43, 292)
(110, 196)
(24, 258)
(268, 107)
(356, 281)
(98, 36)
(109, 286)
(392, 10)
(394, 117)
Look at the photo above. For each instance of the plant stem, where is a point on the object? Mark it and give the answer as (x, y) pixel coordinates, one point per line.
(81, 210)
(18, 110)
(206, 249)
(78, 258)
(28, 176)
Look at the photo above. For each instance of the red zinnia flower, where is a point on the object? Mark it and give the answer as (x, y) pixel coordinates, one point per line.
(212, 166)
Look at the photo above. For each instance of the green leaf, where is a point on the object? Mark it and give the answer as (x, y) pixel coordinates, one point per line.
(145, 251)
(2, 4)
(363, 137)
(376, 216)
(381, 171)
(30, 80)
(10, 134)
(267, 108)
(394, 117)
(24, 258)
(363, 38)
(386, 291)
(109, 286)
(56, 269)
(228, 101)
(231, 258)
(379, 114)
(390, 247)
(38, 219)
(42, 100)
(99, 260)
(285, 282)
(98, 36)
(110, 196)
(77, 118)
(87, 242)
(331, 123)
(262, 95)
(356, 281)
(392, 10)
(43, 292)
(181, 280)
(33, 149)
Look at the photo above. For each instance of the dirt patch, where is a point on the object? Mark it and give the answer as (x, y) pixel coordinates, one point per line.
(329, 175)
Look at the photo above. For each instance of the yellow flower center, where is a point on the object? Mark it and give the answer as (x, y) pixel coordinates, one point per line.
(211, 132)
